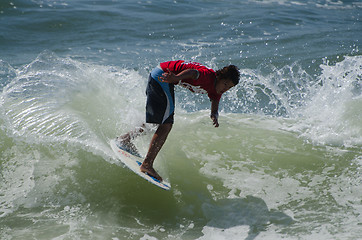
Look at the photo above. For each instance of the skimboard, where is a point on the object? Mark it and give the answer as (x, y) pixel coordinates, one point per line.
(134, 162)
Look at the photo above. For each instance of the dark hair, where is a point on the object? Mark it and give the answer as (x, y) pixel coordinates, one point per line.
(229, 72)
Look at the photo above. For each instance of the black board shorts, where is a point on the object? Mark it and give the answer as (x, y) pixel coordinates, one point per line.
(160, 105)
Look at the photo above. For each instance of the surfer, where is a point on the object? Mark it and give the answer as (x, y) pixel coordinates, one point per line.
(160, 103)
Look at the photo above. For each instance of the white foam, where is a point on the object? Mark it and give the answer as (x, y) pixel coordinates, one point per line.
(237, 232)
(333, 114)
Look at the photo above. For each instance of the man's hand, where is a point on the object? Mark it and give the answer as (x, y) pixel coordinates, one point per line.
(214, 117)
(169, 77)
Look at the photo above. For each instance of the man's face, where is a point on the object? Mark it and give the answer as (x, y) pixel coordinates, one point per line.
(222, 85)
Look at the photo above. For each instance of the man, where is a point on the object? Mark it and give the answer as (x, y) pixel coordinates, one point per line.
(161, 104)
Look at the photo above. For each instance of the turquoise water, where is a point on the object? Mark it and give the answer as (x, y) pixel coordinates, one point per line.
(285, 162)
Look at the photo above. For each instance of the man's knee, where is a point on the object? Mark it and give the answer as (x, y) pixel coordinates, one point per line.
(165, 128)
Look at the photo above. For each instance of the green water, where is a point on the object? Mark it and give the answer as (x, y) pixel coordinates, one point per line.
(250, 174)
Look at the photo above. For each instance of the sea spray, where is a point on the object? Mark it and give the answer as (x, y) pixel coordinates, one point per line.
(333, 112)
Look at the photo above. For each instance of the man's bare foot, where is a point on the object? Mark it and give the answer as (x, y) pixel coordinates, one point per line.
(145, 168)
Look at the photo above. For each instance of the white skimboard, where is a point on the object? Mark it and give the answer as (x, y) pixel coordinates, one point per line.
(134, 162)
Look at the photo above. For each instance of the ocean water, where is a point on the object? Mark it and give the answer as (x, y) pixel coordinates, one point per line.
(285, 163)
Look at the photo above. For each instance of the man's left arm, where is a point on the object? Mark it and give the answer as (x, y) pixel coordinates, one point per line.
(215, 112)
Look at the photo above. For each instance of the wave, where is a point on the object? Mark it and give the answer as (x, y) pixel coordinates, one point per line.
(53, 99)
(287, 154)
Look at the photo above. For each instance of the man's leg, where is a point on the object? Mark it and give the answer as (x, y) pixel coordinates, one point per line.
(156, 144)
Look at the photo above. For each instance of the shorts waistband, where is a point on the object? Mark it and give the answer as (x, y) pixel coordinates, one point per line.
(157, 72)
